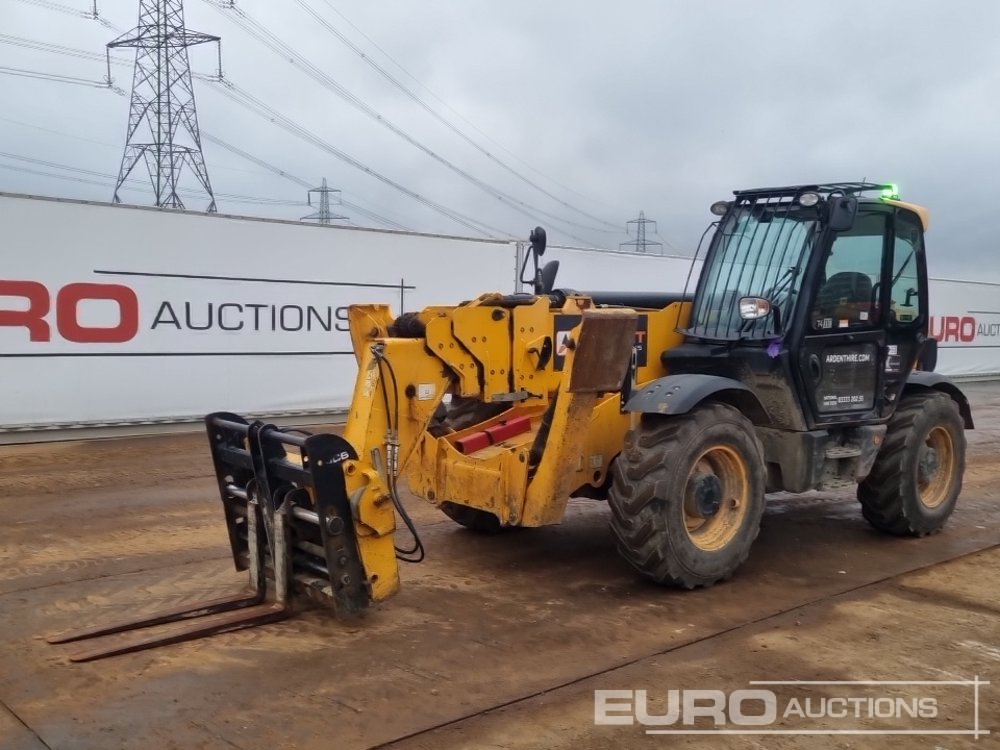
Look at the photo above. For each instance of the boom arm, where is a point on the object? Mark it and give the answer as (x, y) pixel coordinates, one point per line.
(402, 381)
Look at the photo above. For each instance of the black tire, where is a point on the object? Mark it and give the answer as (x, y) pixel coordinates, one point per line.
(914, 485)
(474, 519)
(655, 483)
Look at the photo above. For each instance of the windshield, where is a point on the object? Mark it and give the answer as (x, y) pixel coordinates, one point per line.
(757, 251)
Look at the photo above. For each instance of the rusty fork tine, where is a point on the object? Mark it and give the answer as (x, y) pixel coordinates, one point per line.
(202, 609)
(206, 618)
(228, 621)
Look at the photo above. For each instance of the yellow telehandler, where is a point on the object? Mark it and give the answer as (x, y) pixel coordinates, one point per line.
(800, 362)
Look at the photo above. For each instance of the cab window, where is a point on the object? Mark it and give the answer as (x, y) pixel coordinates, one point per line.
(847, 296)
(904, 307)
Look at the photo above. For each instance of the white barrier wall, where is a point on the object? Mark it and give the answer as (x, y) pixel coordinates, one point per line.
(119, 314)
(587, 270)
(112, 313)
(965, 319)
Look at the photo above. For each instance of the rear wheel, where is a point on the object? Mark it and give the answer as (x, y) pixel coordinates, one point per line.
(914, 485)
(688, 495)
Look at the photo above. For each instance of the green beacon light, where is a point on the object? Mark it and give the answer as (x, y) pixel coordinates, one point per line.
(890, 192)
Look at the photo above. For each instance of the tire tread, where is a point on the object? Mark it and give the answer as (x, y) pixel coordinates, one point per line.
(639, 477)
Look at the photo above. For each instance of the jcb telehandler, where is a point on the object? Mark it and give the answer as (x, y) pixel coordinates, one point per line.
(800, 362)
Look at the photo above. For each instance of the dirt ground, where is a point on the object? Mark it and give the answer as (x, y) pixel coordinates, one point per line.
(494, 642)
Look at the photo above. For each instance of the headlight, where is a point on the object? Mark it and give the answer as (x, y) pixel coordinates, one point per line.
(720, 208)
(752, 308)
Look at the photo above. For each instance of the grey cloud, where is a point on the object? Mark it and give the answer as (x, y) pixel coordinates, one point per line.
(664, 106)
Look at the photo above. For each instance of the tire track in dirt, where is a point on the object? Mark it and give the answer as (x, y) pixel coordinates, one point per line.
(893, 581)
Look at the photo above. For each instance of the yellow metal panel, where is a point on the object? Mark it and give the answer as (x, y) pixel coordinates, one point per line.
(564, 467)
(662, 334)
(533, 325)
(608, 426)
(366, 323)
(605, 438)
(923, 213)
(485, 332)
(374, 527)
(491, 479)
(413, 396)
(443, 343)
(420, 384)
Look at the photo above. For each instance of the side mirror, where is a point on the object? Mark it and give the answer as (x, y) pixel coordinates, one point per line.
(537, 239)
(842, 210)
(543, 279)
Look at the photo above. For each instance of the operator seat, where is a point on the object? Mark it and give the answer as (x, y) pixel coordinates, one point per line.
(847, 295)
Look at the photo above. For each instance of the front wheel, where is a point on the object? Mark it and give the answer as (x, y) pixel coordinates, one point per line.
(913, 487)
(688, 495)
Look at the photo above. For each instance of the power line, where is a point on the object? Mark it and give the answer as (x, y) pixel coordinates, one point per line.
(299, 181)
(458, 114)
(277, 119)
(375, 217)
(27, 170)
(114, 146)
(279, 47)
(255, 105)
(58, 7)
(107, 179)
(250, 157)
(247, 100)
(58, 49)
(58, 132)
(53, 77)
(91, 14)
(670, 246)
(440, 118)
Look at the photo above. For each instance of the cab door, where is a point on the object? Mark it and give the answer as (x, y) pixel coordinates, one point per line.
(907, 313)
(841, 359)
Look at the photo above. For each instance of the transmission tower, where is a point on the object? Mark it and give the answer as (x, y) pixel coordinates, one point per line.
(324, 215)
(163, 123)
(640, 243)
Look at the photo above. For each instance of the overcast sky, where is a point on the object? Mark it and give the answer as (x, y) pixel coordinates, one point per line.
(612, 107)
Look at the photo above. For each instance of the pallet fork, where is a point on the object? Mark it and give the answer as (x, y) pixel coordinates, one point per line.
(288, 520)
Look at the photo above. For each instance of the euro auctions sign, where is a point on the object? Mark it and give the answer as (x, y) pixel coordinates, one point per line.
(38, 311)
(966, 329)
(176, 316)
(800, 707)
(120, 314)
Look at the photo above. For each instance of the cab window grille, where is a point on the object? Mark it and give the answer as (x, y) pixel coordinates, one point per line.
(759, 250)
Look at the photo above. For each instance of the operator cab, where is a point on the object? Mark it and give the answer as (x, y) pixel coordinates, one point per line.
(815, 297)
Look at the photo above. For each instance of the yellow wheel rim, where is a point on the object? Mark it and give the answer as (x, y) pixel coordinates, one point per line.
(935, 467)
(716, 498)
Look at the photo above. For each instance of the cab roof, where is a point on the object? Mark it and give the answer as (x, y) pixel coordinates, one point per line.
(848, 188)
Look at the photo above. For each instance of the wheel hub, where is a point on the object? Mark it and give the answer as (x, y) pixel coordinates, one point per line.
(707, 494)
(930, 462)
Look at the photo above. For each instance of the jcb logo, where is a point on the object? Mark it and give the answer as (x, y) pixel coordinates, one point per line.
(36, 314)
